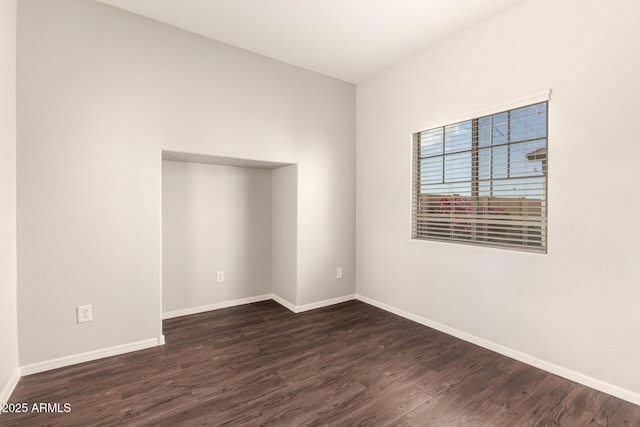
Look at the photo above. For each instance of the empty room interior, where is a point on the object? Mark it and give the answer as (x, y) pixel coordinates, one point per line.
(319, 212)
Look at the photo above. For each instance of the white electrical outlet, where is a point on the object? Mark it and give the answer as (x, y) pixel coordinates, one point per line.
(220, 276)
(84, 313)
(339, 273)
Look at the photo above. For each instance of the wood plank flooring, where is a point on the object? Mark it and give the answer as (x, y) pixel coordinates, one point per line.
(348, 364)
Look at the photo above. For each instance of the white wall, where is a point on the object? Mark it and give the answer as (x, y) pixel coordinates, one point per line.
(8, 315)
(214, 218)
(284, 233)
(100, 93)
(577, 306)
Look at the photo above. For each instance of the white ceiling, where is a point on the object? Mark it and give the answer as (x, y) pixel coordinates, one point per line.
(347, 39)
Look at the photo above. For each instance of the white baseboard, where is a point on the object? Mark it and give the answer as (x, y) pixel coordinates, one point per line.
(313, 305)
(283, 302)
(216, 306)
(569, 374)
(325, 303)
(8, 388)
(90, 355)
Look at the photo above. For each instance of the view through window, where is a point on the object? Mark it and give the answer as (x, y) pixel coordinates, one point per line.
(484, 181)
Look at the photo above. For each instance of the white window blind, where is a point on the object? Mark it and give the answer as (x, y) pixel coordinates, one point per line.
(483, 181)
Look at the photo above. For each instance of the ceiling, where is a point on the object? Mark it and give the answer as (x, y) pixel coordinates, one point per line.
(347, 39)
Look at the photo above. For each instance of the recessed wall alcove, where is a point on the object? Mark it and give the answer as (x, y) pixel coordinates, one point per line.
(222, 214)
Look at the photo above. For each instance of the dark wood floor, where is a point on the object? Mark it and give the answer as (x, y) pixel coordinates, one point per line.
(348, 364)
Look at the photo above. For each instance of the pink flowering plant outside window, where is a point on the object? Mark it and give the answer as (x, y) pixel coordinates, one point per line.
(459, 209)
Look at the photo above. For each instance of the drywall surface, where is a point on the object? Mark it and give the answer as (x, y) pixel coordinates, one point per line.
(8, 298)
(214, 218)
(326, 221)
(101, 92)
(284, 233)
(575, 307)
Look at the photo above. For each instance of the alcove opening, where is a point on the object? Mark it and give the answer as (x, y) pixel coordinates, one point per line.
(229, 232)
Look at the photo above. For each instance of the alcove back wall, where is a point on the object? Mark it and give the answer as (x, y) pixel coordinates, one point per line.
(214, 218)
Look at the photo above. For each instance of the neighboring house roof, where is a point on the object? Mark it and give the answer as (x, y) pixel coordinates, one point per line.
(539, 154)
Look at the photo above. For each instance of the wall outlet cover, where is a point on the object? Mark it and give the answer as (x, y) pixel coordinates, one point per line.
(84, 313)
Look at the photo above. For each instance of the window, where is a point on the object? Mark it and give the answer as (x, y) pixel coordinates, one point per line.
(484, 181)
